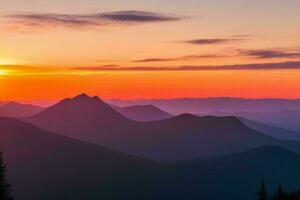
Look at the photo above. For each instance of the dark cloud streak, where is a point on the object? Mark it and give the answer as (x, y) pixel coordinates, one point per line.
(257, 66)
(268, 54)
(217, 41)
(50, 20)
(180, 58)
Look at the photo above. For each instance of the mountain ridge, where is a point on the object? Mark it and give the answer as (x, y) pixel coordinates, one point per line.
(181, 137)
(17, 110)
(143, 113)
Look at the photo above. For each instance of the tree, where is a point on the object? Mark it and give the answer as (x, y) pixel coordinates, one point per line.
(262, 193)
(5, 187)
(280, 194)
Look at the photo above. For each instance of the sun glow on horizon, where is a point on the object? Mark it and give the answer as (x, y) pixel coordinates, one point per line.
(3, 72)
(4, 62)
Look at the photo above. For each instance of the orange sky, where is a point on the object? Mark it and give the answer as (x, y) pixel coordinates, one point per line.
(129, 85)
(130, 50)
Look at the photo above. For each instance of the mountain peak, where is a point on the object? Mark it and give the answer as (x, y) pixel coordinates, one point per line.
(82, 96)
(79, 109)
(86, 98)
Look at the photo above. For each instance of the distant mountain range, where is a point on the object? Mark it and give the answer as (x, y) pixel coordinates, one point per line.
(43, 165)
(13, 109)
(143, 113)
(211, 105)
(182, 137)
(287, 119)
(273, 131)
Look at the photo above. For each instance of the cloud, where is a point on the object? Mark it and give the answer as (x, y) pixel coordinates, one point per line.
(268, 54)
(217, 41)
(77, 21)
(20, 70)
(256, 66)
(137, 16)
(180, 58)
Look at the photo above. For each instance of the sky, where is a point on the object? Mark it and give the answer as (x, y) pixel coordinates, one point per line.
(149, 49)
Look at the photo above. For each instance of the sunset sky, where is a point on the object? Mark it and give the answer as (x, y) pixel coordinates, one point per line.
(51, 49)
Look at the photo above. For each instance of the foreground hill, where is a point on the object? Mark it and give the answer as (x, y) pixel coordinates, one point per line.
(182, 137)
(143, 113)
(237, 176)
(13, 109)
(43, 165)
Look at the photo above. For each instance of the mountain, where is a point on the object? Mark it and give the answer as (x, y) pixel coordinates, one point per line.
(43, 165)
(182, 137)
(287, 119)
(210, 105)
(237, 176)
(276, 132)
(82, 117)
(143, 113)
(188, 136)
(16, 110)
(271, 130)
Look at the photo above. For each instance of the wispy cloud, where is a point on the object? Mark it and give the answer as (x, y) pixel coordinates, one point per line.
(269, 54)
(256, 66)
(137, 16)
(20, 70)
(179, 58)
(217, 41)
(78, 21)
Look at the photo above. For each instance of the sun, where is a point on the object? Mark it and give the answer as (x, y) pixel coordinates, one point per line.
(3, 72)
(4, 63)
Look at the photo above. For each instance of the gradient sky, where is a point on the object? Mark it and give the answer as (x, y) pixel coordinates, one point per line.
(149, 49)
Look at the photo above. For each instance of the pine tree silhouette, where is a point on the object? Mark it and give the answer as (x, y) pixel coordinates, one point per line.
(262, 193)
(280, 194)
(5, 187)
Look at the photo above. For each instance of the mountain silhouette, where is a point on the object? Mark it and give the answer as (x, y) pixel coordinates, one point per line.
(287, 119)
(211, 105)
(13, 109)
(273, 131)
(43, 165)
(182, 137)
(143, 113)
(82, 117)
(237, 176)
